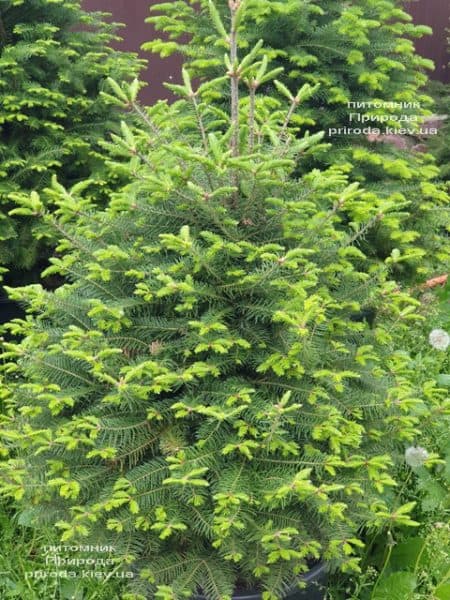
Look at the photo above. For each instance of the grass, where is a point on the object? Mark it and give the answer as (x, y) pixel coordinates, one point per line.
(22, 551)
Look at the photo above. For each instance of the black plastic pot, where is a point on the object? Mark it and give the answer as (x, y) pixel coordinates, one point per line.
(9, 310)
(315, 581)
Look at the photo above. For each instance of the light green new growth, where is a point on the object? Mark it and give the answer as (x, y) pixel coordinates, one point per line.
(359, 59)
(200, 394)
(54, 60)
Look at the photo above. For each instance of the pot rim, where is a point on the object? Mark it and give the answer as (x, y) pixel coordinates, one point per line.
(313, 574)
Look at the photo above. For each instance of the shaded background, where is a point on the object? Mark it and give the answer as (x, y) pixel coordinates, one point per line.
(133, 14)
(435, 13)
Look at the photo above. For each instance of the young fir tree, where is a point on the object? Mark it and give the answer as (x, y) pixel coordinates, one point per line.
(199, 396)
(356, 53)
(54, 58)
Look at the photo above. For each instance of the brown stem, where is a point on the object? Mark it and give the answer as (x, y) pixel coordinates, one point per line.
(291, 111)
(431, 283)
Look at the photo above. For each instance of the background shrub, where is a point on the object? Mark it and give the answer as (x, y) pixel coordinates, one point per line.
(201, 395)
(54, 58)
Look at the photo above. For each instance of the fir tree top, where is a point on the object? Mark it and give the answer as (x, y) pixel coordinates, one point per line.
(360, 59)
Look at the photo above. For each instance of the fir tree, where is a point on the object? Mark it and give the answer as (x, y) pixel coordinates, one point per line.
(199, 396)
(439, 144)
(54, 58)
(358, 52)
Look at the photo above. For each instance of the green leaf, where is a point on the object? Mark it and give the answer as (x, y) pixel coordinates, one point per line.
(397, 586)
(71, 590)
(405, 554)
(442, 592)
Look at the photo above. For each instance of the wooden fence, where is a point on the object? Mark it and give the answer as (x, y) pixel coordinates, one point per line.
(435, 13)
(133, 13)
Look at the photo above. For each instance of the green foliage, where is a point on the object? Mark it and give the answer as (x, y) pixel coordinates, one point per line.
(54, 58)
(414, 568)
(23, 551)
(432, 369)
(358, 52)
(440, 145)
(398, 565)
(199, 394)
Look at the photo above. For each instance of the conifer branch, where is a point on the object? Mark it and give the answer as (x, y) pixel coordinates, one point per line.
(202, 130)
(363, 230)
(76, 243)
(199, 377)
(145, 118)
(234, 77)
(201, 125)
(251, 117)
(293, 107)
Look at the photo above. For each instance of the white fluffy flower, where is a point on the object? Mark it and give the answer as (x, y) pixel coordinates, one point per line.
(439, 339)
(415, 456)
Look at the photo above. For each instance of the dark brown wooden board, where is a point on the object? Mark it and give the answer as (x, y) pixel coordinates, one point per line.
(435, 13)
(132, 13)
